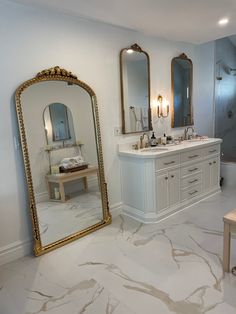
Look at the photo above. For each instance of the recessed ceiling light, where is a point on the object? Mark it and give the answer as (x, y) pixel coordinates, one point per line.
(223, 21)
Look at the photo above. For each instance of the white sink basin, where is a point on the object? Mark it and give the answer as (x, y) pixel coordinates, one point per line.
(153, 149)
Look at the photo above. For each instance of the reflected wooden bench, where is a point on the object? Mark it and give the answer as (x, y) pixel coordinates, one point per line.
(229, 228)
(62, 178)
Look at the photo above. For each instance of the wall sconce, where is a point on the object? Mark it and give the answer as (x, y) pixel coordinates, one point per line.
(162, 107)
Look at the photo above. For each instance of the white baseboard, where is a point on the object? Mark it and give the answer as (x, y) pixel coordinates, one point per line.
(15, 250)
(116, 209)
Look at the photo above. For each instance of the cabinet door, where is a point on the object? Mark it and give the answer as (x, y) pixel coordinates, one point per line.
(162, 192)
(211, 174)
(174, 187)
(207, 175)
(215, 173)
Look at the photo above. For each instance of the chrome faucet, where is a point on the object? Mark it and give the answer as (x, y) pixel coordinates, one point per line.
(186, 136)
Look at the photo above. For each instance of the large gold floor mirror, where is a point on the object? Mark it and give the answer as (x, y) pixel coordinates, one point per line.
(62, 152)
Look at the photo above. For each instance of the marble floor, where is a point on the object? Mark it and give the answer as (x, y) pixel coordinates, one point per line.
(58, 220)
(174, 266)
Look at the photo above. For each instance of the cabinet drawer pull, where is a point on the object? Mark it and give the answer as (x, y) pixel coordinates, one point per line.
(210, 163)
(169, 163)
(214, 162)
(196, 180)
(212, 151)
(192, 193)
(193, 156)
(191, 170)
(172, 176)
(166, 178)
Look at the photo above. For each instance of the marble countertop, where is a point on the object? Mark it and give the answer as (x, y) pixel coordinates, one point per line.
(126, 150)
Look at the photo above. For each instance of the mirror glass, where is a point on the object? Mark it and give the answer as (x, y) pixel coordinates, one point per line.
(135, 90)
(182, 114)
(58, 123)
(61, 140)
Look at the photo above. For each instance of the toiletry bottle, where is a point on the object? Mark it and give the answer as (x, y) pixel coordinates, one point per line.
(153, 140)
(163, 140)
(169, 139)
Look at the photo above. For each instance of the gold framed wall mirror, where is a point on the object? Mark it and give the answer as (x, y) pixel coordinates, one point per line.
(135, 90)
(63, 160)
(181, 87)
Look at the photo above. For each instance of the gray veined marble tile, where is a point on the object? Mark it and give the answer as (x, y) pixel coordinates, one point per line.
(58, 220)
(174, 266)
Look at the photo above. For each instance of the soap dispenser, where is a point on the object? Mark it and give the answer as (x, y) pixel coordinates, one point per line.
(163, 140)
(153, 140)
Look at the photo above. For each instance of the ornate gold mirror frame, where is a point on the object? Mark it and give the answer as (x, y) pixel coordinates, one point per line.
(182, 56)
(136, 48)
(59, 74)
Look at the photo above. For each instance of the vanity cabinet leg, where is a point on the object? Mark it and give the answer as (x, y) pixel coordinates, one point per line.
(226, 249)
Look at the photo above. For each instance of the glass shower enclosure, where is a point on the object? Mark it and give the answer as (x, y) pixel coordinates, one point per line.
(225, 96)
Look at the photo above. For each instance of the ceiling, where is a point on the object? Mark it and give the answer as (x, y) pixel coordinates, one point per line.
(193, 21)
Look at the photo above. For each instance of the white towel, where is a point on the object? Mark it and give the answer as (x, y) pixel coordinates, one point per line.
(136, 119)
(145, 118)
(72, 162)
(138, 114)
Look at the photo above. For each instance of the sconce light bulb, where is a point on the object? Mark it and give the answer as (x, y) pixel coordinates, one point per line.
(165, 103)
(154, 103)
(159, 99)
(162, 107)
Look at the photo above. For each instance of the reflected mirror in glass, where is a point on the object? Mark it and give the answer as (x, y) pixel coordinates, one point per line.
(182, 114)
(61, 139)
(58, 123)
(135, 90)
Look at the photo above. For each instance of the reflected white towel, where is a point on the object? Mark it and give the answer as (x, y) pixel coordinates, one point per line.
(145, 118)
(136, 120)
(138, 114)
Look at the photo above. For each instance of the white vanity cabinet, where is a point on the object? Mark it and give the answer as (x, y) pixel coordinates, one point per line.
(156, 184)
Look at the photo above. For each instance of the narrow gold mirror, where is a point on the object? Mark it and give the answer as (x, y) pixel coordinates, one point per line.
(181, 81)
(135, 90)
(62, 150)
(58, 123)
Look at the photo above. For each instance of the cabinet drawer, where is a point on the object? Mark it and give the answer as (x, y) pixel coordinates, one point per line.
(168, 161)
(192, 192)
(192, 180)
(191, 155)
(211, 150)
(191, 169)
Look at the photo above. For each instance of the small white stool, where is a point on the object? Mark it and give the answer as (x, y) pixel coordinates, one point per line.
(229, 227)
